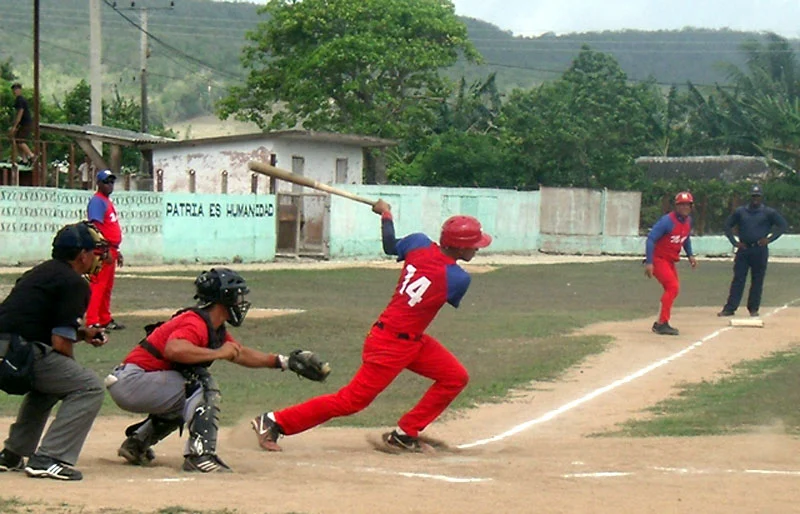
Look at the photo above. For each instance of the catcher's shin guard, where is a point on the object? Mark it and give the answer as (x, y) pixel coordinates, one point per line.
(203, 426)
(153, 429)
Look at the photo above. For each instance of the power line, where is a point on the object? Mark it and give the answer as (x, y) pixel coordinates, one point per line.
(175, 50)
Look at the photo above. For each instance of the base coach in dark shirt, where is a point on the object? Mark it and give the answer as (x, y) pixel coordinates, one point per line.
(758, 226)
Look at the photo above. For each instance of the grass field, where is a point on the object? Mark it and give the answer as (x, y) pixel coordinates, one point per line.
(514, 327)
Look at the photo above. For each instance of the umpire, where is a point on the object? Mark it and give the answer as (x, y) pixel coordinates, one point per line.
(755, 223)
(44, 309)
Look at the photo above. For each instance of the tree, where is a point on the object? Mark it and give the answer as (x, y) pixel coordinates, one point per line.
(583, 130)
(362, 66)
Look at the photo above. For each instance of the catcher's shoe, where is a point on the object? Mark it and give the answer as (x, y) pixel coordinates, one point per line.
(10, 461)
(40, 466)
(135, 452)
(401, 443)
(205, 464)
(268, 433)
(665, 329)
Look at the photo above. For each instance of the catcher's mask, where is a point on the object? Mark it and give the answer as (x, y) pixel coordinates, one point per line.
(463, 232)
(83, 236)
(226, 287)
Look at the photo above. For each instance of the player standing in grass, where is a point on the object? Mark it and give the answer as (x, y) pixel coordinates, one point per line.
(664, 243)
(430, 278)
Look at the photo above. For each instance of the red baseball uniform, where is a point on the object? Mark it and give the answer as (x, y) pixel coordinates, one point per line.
(664, 243)
(188, 326)
(102, 213)
(397, 341)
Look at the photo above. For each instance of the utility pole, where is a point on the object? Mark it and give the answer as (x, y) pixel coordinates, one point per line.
(96, 77)
(37, 143)
(144, 53)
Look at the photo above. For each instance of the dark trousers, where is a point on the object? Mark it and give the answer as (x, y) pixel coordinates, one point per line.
(755, 260)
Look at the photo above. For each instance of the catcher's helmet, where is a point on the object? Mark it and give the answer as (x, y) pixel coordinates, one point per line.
(82, 236)
(463, 232)
(684, 197)
(226, 287)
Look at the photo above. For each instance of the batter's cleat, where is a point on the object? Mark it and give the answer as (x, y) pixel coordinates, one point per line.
(401, 443)
(753, 314)
(205, 464)
(10, 461)
(113, 325)
(268, 433)
(723, 313)
(135, 452)
(40, 466)
(664, 329)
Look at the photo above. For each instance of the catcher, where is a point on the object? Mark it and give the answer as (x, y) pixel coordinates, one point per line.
(166, 375)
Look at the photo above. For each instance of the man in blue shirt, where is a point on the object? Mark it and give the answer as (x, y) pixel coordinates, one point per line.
(755, 223)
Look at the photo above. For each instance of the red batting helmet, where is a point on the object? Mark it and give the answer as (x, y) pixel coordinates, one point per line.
(684, 197)
(463, 232)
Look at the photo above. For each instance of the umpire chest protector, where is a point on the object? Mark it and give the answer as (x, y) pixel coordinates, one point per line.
(216, 337)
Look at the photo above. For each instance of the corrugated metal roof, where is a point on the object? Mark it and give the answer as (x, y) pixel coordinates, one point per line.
(105, 134)
(305, 135)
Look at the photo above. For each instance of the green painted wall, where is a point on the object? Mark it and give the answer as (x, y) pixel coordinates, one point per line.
(511, 217)
(157, 228)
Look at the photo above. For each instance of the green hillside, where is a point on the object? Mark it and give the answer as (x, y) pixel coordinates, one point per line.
(196, 46)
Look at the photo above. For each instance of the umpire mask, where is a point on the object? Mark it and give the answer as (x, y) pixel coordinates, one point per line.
(226, 287)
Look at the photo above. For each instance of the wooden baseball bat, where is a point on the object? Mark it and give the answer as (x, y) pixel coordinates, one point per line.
(271, 171)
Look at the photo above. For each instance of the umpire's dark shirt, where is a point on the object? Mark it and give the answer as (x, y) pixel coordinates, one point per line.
(50, 295)
(755, 224)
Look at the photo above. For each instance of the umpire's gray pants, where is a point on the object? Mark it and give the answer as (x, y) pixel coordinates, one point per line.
(57, 378)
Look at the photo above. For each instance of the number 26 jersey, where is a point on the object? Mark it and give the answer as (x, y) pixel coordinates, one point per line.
(428, 279)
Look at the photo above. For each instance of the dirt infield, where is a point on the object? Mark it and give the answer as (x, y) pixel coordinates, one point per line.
(541, 456)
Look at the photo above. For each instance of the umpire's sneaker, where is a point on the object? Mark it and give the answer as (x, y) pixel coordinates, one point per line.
(208, 463)
(724, 314)
(401, 443)
(268, 432)
(10, 461)
(40, 466)
(135, 452)
(664, 329)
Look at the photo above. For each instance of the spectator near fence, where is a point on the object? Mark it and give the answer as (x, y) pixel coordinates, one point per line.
(22, 127)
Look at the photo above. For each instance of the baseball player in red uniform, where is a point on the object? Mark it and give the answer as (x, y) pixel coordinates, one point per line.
(429, 278)
(664, 243)
(104, 216)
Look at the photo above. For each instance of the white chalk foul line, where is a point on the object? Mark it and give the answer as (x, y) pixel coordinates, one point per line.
(407, 474)
(603, 390)
(685, 471)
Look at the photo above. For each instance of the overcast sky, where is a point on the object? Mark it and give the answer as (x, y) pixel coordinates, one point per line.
(535, 17)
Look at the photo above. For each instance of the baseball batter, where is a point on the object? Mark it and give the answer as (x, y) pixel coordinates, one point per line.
(429, 278)
(664, 243)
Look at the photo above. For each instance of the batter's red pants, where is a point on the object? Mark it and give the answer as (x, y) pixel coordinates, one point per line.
(665, 272)
(383, 358)
(99, 310)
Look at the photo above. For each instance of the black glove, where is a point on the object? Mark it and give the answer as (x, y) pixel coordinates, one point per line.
(307, 364)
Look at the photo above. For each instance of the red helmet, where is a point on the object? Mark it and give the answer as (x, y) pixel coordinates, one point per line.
(463, 232)
(684, 197)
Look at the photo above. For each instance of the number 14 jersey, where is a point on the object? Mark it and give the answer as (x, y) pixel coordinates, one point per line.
(429, 279)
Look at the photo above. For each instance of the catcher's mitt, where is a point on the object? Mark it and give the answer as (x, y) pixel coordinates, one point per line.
(307, 364)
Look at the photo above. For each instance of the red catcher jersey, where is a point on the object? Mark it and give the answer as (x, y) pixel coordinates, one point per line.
(428, 279)
(670, 244)
(102, 213)
(188, 326)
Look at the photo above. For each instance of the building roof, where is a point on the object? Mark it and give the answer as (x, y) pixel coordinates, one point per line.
(298, 135)
(726, 167)
(109, 135)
